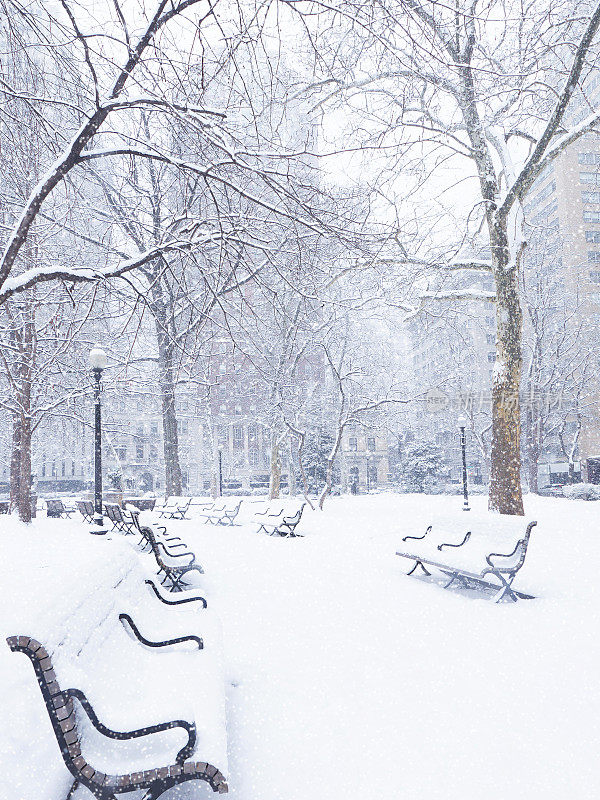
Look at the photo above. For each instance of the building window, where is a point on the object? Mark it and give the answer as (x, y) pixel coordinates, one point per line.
(590, 197)
(491, 357)
(490, 320)
(591, 216)
(253, 458)
(353, 443)
(154, 429)
(590, 177)
(139, 452)
(72, 468)
(54, 469)
(490, 338)
(63, 469)
(238, 433)
(595, 277)
(594, 256)
(153, 452)
(589, 158)
(122, 453)
(371, 444)
(592, 236)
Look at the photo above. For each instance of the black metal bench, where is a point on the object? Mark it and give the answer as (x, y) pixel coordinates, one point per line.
(86, 509)
(57, 509)
(169, 543)
(122, 521)
(281, 522)
(172, 571)
(503, 566)
(61, 710)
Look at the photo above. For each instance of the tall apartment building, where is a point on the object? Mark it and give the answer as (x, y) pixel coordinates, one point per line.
(562, 225)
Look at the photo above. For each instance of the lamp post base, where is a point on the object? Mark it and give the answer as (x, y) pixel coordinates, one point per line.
(99, 525)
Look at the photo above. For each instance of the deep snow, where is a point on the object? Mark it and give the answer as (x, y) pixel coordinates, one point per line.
(348, 679)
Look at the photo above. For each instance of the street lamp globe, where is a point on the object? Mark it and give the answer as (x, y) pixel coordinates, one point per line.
(462, 421)
(97, 358)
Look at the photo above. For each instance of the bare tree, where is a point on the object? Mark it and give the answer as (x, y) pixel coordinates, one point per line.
(484, 85)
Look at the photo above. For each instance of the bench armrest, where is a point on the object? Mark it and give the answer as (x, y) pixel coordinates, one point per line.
(181, 756)
(175, 555)
(460, 544)
(405, 538)
(174, 602)
(149, 643)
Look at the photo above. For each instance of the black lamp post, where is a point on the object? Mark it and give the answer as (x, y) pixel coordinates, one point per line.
(97, 360)
(462, 424)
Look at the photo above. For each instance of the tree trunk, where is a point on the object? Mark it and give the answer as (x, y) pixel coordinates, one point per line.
(292, 488)
(24, 491)
(329, 470)
(166, 379)
(533, 449)
(505, 495)
(15, 462)
(275, 481)
(173, 482)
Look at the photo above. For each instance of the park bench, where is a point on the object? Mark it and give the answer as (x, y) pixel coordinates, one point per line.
(57, 509)
(86, 509)
(279, 518)
(141, 503)
(71, 714)
(170, 566)
(469, 562)
(169, 543)
(174, 508)
(122, 520)
(222, 512)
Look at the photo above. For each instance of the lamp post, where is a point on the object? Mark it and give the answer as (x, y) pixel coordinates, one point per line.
(462, 424)
(97, 361)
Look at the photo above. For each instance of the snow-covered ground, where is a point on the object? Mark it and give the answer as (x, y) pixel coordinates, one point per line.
(348, 679)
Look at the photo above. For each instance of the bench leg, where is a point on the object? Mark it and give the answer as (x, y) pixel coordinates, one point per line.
(506, 593)
(418, 564)
(73, 789)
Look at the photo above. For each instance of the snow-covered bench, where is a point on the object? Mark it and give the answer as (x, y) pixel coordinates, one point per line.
(174, 507)
(56, 508)
(122, 520)
(142, 715)
(173, 565)
(222, 512)
(471, 560)
(280, 517)
(86, 509)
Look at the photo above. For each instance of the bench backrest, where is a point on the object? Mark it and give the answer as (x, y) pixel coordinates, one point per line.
(113, 512)
(512, 562)
(59, 705)
(54, 508)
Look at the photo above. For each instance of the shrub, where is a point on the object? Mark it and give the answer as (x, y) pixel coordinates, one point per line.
(582, 491)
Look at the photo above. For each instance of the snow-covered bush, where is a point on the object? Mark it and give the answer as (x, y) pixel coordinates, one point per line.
(420, 468)
(582, 491)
